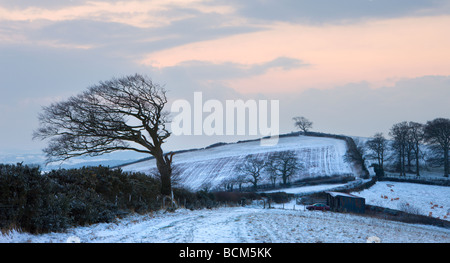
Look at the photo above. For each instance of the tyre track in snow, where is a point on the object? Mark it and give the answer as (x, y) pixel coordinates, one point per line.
(224, 227)
(199, 227)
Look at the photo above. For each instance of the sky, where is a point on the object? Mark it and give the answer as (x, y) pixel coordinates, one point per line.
(353, 67)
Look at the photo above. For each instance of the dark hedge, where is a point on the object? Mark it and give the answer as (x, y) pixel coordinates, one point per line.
(36, 202)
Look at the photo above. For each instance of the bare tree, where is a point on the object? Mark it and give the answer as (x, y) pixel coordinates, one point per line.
(252, 168)
(303, 124)
(416, 136)
(283, 164)
(400, 132)
(356, 154)
(377, 148)
(437, 132)
(120, 114)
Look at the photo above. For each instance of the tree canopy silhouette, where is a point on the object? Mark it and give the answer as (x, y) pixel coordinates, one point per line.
(119, 114)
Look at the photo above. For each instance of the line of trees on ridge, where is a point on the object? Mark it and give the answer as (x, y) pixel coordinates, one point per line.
(411, 145)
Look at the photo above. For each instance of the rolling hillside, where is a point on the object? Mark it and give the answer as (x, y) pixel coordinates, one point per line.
(214, 166)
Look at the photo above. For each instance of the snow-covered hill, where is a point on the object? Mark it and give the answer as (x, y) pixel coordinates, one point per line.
(213, 166)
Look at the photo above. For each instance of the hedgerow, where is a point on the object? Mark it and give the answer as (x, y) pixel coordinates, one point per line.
(38, 202)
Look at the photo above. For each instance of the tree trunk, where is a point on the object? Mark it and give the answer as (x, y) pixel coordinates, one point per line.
(408, 157)
(164, 165)
(446, 163)
(417, 152)
(403, 162)
(285, 180)
(417, 166)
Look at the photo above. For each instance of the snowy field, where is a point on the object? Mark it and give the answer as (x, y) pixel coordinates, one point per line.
(287, 223)
(242, 225)
(213, 166)
(429, 200)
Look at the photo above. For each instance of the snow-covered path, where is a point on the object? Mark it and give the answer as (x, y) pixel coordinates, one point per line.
(243, 225)
(184, 226)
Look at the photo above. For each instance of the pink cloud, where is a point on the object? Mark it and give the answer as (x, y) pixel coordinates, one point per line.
(376, 51)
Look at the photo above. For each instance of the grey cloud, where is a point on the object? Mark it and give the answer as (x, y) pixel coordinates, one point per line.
(89, 32)
(49, 4)
(285, 63)
(126, 40)
(228, 70)
(200, 27)
(120, 39)
(332, 11)
(28, 72)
